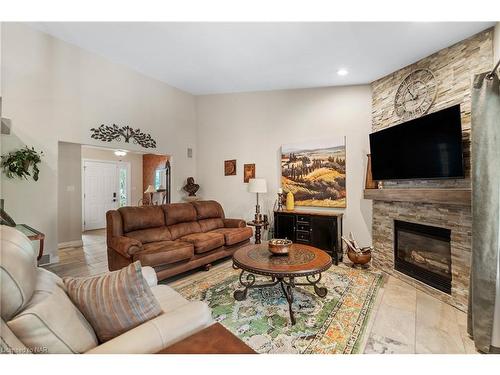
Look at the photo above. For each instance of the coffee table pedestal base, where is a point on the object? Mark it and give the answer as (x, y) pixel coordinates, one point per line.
(287, 285)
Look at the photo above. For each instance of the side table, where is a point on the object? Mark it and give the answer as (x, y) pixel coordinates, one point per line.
(214, 339)
(258, 227)
(33, 235)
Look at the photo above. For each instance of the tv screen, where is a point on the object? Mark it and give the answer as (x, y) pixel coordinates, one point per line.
(424, 148)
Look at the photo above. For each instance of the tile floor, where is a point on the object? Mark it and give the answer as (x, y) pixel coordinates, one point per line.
(406, 320)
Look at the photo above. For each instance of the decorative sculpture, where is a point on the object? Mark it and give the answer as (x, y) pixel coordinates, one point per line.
(191, 187)
(108, 133)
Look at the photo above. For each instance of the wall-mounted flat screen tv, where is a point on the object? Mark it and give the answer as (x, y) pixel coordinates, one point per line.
(428, 147)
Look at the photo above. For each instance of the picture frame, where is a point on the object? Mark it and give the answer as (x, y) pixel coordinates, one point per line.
(315, 172)
(230, 167)
(248, 172)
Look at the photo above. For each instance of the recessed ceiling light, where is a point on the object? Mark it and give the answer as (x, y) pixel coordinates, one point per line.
(342, 72)
(120, 153)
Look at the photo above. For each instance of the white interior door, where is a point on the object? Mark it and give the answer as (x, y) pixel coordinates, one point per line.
(100, 192)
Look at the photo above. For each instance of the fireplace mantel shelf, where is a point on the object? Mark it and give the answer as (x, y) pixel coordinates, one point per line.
(458, 197)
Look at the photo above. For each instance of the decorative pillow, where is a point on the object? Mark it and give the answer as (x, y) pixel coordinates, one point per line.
(114, 303)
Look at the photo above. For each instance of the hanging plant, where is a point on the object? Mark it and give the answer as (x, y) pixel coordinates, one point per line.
(18, 163)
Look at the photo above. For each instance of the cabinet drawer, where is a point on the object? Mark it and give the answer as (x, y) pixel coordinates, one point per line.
(303, 218)
(303, 227)
(303, 236)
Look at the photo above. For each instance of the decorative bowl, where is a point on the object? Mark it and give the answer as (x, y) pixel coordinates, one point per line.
(279, 246)
(360, 260)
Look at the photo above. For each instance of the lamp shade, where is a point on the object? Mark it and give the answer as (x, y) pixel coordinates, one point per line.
(257, 185)
(150, 189)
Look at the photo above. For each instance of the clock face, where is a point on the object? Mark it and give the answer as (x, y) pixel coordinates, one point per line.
(415, 94)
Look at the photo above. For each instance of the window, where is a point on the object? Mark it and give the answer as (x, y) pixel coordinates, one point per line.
(159, 178)
(123, 199)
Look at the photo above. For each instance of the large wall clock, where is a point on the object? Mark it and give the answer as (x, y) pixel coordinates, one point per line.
(415, 94)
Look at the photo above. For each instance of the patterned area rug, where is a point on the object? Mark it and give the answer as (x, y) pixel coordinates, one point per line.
(334, 324)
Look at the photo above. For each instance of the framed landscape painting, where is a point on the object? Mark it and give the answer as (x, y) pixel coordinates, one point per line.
(314, 172)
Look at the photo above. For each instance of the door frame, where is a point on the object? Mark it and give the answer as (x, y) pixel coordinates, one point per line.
(117, 164)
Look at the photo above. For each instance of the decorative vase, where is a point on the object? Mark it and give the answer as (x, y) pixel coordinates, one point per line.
(369, 182)
(290, 201)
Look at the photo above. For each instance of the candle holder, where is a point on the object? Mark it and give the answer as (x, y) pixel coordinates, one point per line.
(280, 201)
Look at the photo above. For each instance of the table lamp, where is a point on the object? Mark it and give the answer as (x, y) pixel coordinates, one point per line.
(150, 190)
(257, 185)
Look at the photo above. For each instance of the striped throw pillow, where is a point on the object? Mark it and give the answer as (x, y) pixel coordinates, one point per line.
(114, 303)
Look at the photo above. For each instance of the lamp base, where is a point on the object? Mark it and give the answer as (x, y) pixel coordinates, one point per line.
(258, 216)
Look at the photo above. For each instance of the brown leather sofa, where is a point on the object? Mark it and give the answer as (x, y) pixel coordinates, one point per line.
(172, 238)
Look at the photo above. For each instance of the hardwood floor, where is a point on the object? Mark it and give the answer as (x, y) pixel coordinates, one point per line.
(406, 320)
(89, 260)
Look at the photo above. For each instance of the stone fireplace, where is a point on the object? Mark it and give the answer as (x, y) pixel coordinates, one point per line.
(437, 203)
(424, 253)
(453, 219)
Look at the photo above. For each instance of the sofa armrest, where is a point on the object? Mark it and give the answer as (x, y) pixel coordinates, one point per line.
(160, 332)
(234, 223)
(125, 246)
(149, 275)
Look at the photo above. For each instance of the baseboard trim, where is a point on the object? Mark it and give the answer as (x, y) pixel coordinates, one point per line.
(65, 245)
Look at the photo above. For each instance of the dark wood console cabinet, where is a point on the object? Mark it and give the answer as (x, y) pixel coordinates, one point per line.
(319, 229)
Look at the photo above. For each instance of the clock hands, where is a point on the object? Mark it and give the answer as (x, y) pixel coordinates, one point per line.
(413, 96)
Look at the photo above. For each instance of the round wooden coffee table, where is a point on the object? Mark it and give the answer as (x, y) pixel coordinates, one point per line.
(302, 261)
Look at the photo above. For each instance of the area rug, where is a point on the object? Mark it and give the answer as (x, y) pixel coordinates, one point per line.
(334, 324)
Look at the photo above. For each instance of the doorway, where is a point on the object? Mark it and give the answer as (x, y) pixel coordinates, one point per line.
(82, 205)
(106, 186)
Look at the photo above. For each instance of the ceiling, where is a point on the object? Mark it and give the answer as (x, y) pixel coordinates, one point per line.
(207, 58)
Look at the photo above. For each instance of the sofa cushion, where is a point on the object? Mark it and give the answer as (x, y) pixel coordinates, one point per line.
(161, 332)
(179, 213)
(17, 271)
(164, 252)
(204, 242)
(211, 224)
(9, 343)
(183, 229)
(208, 209)
(150, 235)
(234, 235)
(168, 298)
(51, 323)
(116, 302)
(135, 218)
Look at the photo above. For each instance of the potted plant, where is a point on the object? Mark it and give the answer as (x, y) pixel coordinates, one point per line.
(18, 163)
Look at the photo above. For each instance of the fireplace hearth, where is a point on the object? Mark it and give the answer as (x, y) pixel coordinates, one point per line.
(424, 253)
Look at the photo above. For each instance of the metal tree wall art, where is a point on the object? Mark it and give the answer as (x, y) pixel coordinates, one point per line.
(108, 133)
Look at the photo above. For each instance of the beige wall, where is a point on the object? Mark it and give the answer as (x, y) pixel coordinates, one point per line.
(69, 197)
(251, 127)
(54, 91)
(135, 160)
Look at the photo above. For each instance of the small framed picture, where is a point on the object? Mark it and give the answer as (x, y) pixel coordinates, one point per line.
(230, 167)
(248, 172)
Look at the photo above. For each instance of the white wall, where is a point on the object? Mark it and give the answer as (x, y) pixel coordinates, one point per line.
(69, 197)
(251, 127)
(54, 91)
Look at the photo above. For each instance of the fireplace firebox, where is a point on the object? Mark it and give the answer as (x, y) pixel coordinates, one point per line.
(424, 253)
